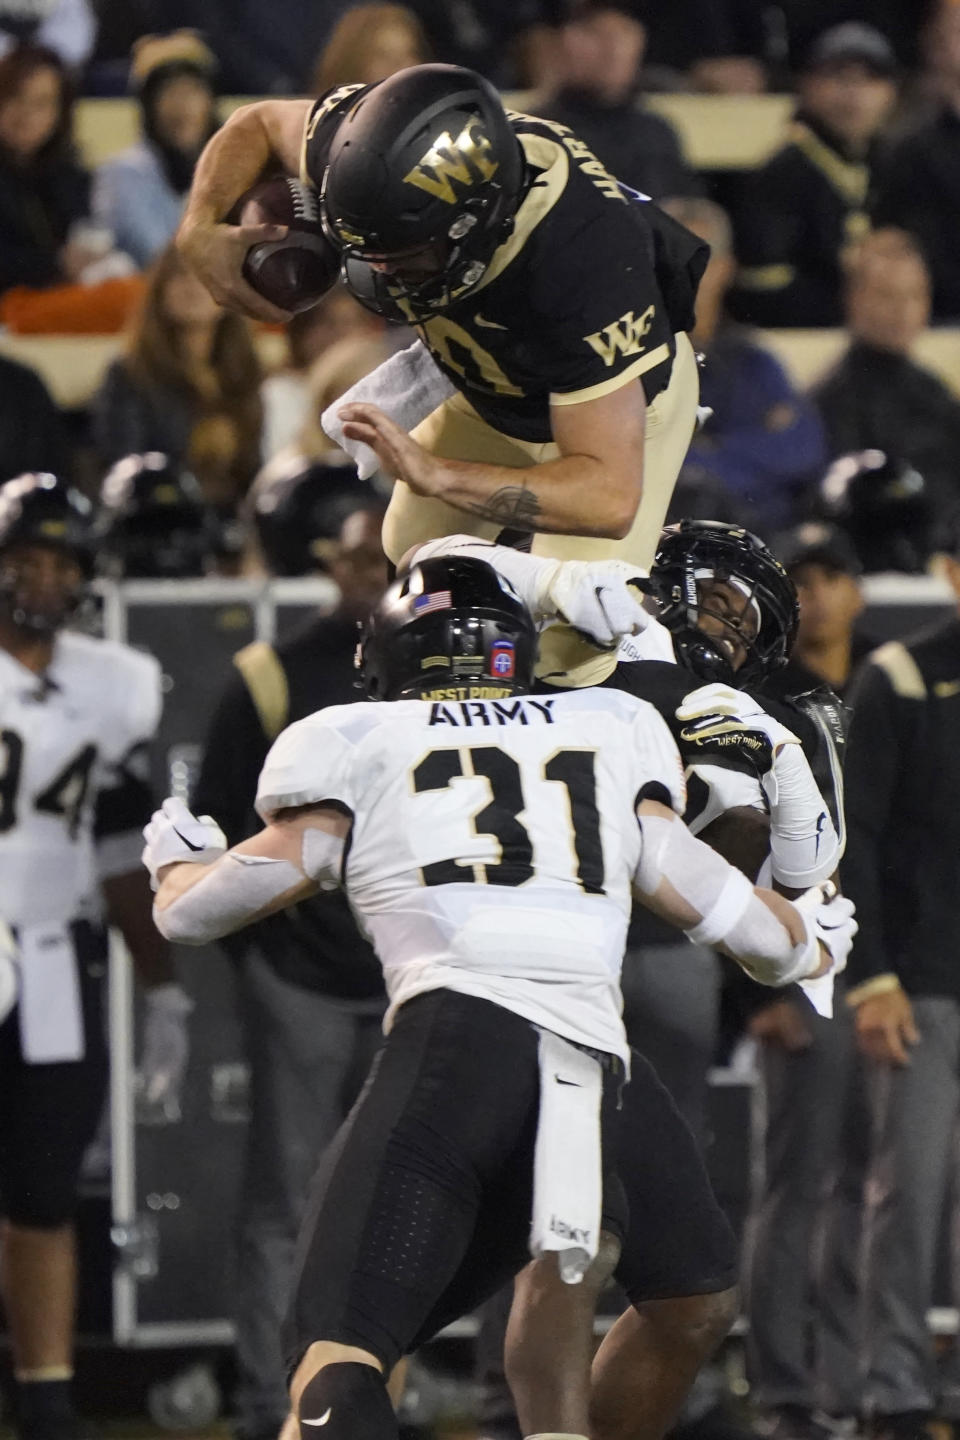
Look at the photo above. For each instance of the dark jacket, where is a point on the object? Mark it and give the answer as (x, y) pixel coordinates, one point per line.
(795, 678)
(637, 147)
(129, 418)
(315, 944)
(902, 780)
(795, 215)
(874, 399)
(38, 204)
(919, 190)
(31, 427)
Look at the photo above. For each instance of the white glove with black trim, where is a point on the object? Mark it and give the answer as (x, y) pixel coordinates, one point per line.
(720, 699)
(175, 834)
(602, 598)
(832, 918)
(9, 972)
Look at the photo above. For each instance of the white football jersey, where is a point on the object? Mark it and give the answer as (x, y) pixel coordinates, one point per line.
(493, 841)
(62, 737)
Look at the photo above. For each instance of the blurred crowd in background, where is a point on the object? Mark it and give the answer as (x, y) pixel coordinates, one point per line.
(201, 441)
(848, 225)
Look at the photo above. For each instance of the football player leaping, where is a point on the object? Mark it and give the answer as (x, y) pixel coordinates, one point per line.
(556, 302)
(75, 716)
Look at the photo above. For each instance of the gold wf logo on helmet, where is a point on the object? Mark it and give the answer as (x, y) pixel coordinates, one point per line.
(623, 337)
(467, 159)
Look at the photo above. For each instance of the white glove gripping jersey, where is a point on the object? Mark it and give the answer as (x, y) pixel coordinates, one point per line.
(535, 797)
(804, 838)
(65, 738)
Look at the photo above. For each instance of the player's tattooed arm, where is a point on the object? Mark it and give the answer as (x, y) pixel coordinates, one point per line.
(513, 505)
(592, 488)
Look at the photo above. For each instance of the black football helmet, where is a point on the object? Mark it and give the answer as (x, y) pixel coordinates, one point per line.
(298, 509)
(884, 505)
(424, 166)
(153, 522)
(449, 629)
(698, 550)
(40, 509)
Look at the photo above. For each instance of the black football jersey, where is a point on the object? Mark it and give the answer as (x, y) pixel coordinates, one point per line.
(586, 294)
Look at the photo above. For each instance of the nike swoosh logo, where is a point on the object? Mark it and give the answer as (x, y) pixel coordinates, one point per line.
(322, 1421)
(189, 843)
(575, 1083)
(488, 324)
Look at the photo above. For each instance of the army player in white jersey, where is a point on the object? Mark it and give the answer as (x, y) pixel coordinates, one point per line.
(487, 839)
(75, 715)
(553, 298)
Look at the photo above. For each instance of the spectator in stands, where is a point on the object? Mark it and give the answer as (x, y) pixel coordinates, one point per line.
(59, 270)
(764, 443)
(286, 393)
(506, 40)
(740, 47)
(273, 48)
(370, 43)
(67, 27)
(824, 566)
(898, 20)
(878, 397)
(902, 868)
(800, 211)
(919, 184)
(302, 495)
(189, 386)
(139, 193)
(601, 49)
(31, 427)
(44, 191)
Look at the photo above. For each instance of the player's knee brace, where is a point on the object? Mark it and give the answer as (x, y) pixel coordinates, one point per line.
(347, 1401)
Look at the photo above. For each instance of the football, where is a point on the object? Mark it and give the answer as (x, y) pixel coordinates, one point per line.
(296, 272)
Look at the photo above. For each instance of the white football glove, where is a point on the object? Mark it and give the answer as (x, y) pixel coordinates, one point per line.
(174, 834)
(831, 916)
(9, 973)
(720, 699)
(163, 1062)
(602, 598)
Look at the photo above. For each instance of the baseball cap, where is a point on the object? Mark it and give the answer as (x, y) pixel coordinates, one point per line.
(816, 543)
(182, 50)
(852, 43)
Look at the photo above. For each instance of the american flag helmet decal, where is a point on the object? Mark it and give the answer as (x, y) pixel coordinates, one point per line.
(435, 600)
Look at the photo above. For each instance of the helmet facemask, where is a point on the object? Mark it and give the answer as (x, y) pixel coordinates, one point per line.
(424, 167)
(706, 570)
(461, 259)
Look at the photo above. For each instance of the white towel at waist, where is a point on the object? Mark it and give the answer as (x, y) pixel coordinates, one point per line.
(568, 1162)
(408, 387)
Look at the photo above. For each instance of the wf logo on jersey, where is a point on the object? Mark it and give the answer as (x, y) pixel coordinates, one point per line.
(503, 659)
(623, 337)
(467, 159)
